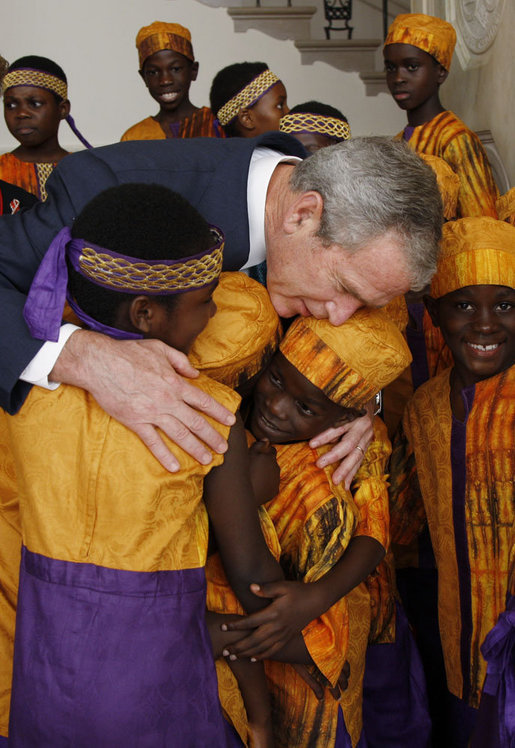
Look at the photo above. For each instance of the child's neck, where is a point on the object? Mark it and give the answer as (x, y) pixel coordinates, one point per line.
(425, 112)
(186, 109)
(49, 152)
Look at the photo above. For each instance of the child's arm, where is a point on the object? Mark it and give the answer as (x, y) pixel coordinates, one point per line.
(275, 630)
(251, 681)
(233, 513)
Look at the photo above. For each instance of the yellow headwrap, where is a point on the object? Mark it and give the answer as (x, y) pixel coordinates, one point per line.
(448, 183)
(242, 336)
(349, 363)
(475, 251)
(159, 36)
(331, 127)
(506, 206)
(432, 35)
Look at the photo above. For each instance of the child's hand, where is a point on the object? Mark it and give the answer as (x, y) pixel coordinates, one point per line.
(295, 604)
(264, 471)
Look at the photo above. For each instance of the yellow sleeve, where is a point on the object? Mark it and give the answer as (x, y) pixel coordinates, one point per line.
(478, 191)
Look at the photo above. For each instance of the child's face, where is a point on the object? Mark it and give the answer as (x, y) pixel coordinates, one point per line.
(168, 76)
(313, 141)
(267, 112)
(287, 407)
(180, 325)
(412, 75)
(32, 114)
(478, 324)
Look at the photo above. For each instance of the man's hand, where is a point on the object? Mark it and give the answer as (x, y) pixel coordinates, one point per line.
(353, 440)
(140, 383)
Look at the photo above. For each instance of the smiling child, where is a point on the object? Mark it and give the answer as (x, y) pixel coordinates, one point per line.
(35, 101)
(454, 464)
(168, 68)
(417, 57)
(329, 537)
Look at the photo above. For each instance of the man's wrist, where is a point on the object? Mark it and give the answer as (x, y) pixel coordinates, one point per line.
(40, 371)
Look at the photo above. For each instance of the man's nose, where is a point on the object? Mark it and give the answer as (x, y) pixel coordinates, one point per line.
(341, 309)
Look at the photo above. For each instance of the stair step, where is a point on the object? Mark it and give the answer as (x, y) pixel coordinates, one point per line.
(349, 55)
(277, 22)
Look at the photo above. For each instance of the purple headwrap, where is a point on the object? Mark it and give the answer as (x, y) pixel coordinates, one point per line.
(44, 307)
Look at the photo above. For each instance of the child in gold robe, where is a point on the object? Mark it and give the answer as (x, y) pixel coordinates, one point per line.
(417, 54)
(454, 465)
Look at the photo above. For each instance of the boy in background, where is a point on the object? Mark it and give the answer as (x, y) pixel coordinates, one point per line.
(316, 125)
(454, 465)
(417, 57)
(168, 68)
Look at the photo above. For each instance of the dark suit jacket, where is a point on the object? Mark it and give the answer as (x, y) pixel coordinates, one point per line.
(211, 173)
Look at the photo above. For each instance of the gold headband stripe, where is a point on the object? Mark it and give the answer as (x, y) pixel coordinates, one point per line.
(133, 277)
(35, 78)
(305, 122)
(247, 96)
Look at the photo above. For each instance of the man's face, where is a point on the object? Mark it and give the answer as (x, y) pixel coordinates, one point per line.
(304, 277)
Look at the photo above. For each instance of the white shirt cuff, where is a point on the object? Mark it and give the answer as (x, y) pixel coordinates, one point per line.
(37, 371)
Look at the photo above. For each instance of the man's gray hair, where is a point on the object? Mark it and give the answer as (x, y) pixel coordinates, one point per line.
(371, 186)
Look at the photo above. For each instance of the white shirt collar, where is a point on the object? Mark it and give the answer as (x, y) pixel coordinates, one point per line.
(262, 166)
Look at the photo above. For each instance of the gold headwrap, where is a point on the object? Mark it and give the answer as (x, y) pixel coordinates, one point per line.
(242, 336)
(349, 363)
(475, 251)
(506, 206)
(159, 36)
(247, 96)
(432, 35)
(331, 127)
(37, 78)
(448, 183)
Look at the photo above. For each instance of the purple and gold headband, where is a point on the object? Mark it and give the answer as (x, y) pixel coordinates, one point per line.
(41, 79)
(331, 127)
(43, 309)
(253, 91)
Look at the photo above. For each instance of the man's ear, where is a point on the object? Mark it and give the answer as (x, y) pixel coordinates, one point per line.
(432, 308)
(194, 71)
(141, 312)
(304, 212)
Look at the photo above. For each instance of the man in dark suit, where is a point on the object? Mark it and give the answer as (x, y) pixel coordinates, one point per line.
(356, 224)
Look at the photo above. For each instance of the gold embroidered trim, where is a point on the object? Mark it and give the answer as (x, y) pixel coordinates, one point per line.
(35, 78)
(305, 122)
(247, 96)
(121, 274)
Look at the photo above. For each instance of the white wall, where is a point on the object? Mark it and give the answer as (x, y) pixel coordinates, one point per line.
(93, 40)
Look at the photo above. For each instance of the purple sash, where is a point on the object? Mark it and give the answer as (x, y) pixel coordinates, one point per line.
(111, 658)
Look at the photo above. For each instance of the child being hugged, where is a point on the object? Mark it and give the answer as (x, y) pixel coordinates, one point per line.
(330, 539)
(417, 56)
(168, 67)
(35, 101)
(454, 465)
(111, 642)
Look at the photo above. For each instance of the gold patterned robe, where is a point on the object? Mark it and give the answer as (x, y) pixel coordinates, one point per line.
(449, 138)
(78, 486)
(461, 476)
(29, 176)
(200, 125)
(314, 522)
